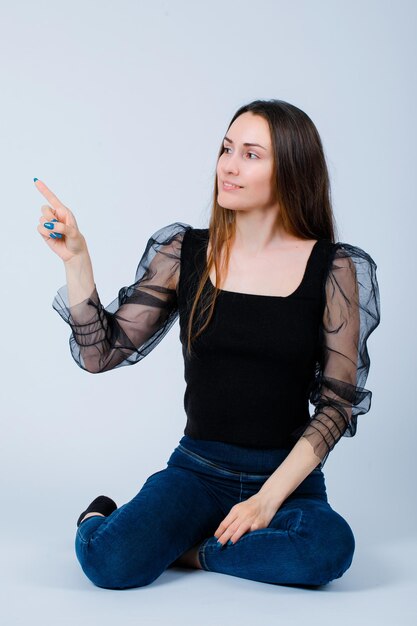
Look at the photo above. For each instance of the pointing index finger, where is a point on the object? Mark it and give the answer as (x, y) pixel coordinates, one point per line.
(49, 195)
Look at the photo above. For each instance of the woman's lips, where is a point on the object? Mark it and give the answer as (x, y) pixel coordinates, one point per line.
(227, 187)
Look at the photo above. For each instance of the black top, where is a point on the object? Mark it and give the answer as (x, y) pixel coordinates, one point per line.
(262, 358)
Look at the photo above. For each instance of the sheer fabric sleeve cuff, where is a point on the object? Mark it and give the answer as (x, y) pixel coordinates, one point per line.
(351, 314)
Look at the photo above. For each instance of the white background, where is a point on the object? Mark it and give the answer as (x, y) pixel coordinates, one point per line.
(120, 108)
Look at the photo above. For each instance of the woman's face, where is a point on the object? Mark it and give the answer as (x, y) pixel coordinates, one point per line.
(249, 167)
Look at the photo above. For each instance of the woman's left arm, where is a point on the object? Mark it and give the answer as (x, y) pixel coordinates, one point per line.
(351, 313)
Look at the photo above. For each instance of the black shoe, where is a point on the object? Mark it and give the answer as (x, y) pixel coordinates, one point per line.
(101, 504)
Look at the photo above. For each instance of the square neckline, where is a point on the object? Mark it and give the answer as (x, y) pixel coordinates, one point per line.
(256, 295)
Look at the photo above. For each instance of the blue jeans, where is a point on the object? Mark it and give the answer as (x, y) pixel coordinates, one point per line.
(306, 543)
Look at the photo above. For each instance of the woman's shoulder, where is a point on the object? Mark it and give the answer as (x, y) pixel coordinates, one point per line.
(167, 232)
(352, 253)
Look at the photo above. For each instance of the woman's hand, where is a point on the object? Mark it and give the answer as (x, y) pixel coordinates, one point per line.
(252, 514)
(72, 242)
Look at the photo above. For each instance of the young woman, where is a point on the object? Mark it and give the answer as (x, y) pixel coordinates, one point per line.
(273, 313)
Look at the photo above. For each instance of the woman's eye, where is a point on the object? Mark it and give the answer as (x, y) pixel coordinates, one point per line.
(227, 148)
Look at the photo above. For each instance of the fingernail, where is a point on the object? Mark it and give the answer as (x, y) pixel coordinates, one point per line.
(54, 220)
(230, 543)
(35, 179)
(49, 225)
(219, 545)
(55, 235)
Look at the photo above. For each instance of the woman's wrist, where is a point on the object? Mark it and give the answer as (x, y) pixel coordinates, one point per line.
(80, 278)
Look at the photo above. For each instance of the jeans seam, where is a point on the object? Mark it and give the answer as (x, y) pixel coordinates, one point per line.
(202, 555)
(208, 463)
(80, 535)
(203, 461)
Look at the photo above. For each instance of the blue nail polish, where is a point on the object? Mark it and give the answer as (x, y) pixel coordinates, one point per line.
(218, 544)
(55, 235)
(48, 225)
(35, 179)
(54, 220)
(230, 543)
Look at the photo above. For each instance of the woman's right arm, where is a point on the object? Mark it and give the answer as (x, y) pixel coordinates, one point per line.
(126, 330)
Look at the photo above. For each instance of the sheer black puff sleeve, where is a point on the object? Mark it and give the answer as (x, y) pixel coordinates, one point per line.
(137, 320)
(351, 313)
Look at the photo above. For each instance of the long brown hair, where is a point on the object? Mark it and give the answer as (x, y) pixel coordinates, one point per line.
(302, 186)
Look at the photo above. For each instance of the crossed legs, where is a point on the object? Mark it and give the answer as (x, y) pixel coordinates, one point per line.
(171, 522)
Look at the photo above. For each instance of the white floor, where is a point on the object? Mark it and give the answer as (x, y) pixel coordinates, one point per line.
(42, 583)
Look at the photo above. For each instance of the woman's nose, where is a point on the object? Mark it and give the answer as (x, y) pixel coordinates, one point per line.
(230, 167)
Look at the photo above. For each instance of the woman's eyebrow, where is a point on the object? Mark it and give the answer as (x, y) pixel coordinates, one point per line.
(246, 144)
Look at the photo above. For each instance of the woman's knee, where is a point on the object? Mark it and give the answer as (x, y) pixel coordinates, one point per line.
(332, 545)
(105, 568)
